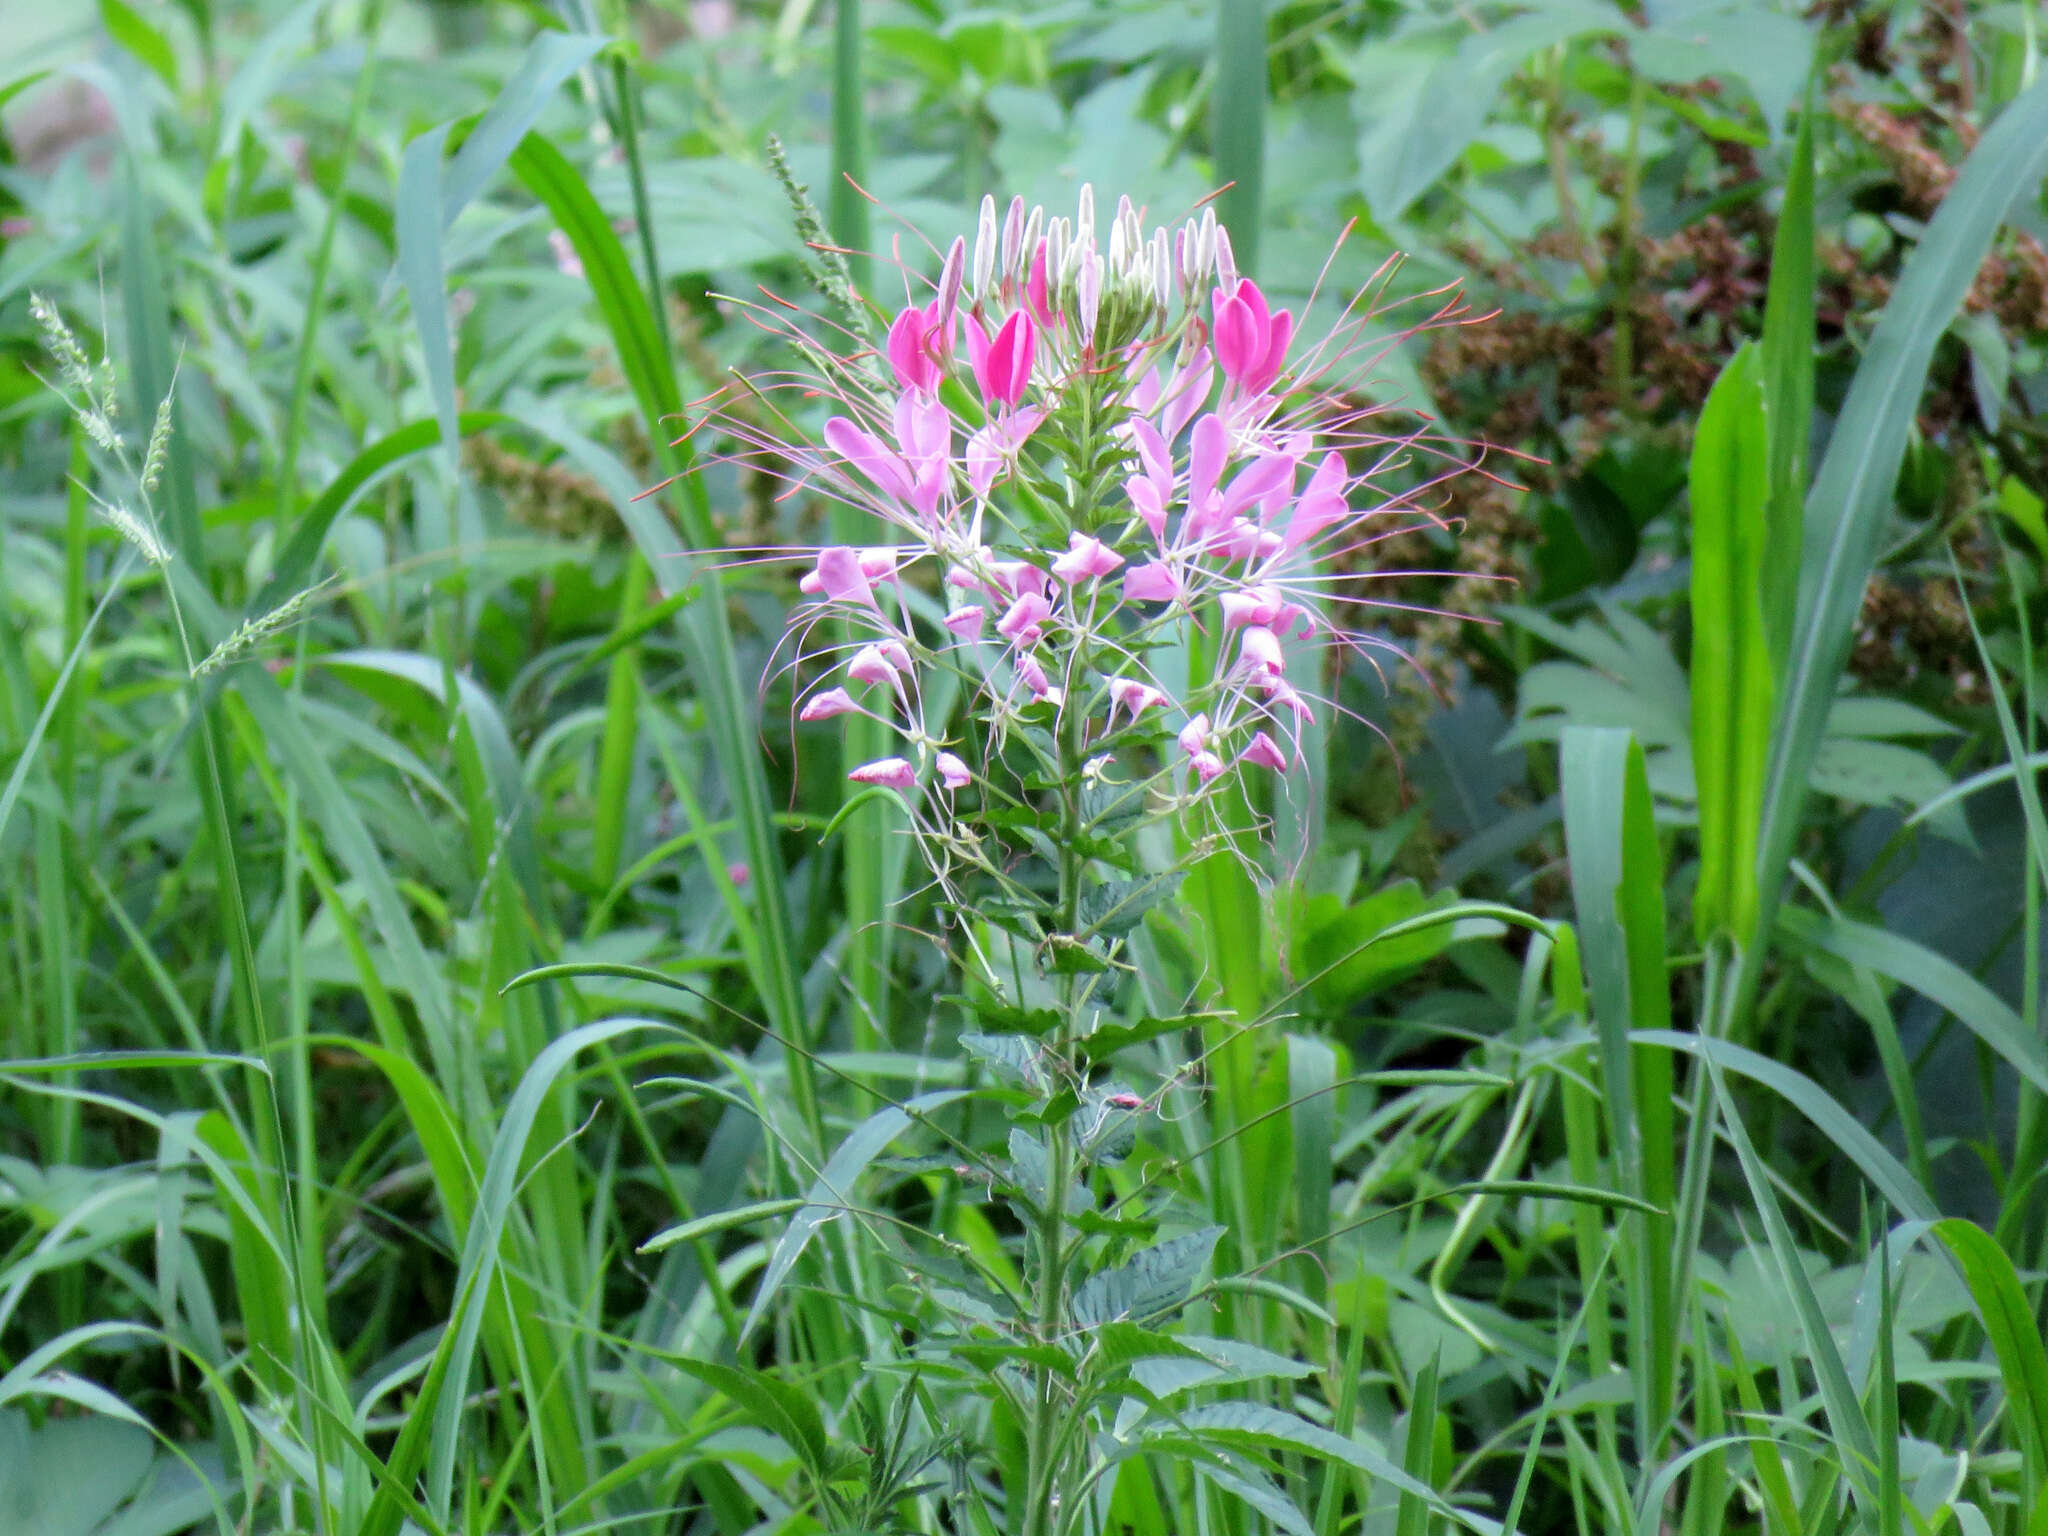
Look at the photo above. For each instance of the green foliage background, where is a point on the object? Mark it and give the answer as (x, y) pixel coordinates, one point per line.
(451, 1084)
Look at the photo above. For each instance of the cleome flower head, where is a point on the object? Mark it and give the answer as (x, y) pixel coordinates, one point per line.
(1111, 483)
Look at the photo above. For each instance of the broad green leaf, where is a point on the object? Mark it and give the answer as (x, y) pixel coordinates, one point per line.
(1731, 664)
(1851, 499)
(1148, 1285)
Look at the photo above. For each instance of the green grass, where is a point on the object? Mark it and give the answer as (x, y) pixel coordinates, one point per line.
(453, 1082)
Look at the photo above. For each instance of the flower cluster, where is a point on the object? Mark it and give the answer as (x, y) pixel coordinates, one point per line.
(1100, 460)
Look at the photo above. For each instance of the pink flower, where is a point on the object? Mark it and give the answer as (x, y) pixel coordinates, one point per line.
(823, 706)
(1085, 557)
(1251, 345)
(738, 873)
(841, 577)
(1005, 368)
(1024, 623)
(967, 621)
(871, 664)
(916, 346)
(1206, 765)
(1129, 693)
(952, 772)
(1152, 582)
(1265, 753)
(1194, 736)
(889, 772)
(1261, 605)
(1261, 648)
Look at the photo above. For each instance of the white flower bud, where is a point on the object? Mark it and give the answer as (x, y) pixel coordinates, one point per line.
(1226, 262)
(1056, 235)
(1084, 226)
(1016, 245)
(1034, 231)
(1087, 291)
(985, 249)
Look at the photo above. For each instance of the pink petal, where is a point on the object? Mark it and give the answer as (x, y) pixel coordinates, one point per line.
(870, 665)
(889, 772)
(1129, 693)
(823, 706)
(1187, 394)
(1265, 753)
(1085, 557)
(1261, 648)
(1005, 369)
(866, 454)
(840, 574)
(1194, 736)
(967, 621)
(909, 352)
(1023, 623)
(1153, 582)
(1035, 288)
(952, 772)
(1206, 765)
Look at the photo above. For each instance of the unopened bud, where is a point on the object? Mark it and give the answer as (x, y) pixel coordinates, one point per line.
(1017, 242)
(949, 292)
(1226, 262)
(1034, 232)
(1087, 291)
(985, 249)
(1084, 225)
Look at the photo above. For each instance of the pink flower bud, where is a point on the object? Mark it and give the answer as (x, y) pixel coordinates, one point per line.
(1034, 678)
(1251, 344)
(738, 873)
(1153, 582)
(1005, 369)
(952, 772)
(1265, 753)
(1085, 557)
(1024, 623)
(823, 706)
(889, 772)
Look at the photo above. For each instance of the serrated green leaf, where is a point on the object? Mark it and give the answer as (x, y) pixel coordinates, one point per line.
(1147, 1286)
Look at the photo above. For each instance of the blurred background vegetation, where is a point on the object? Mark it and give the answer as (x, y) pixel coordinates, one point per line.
(434, 279)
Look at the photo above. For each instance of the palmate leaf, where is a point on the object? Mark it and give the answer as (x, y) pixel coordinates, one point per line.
(1148, 1285)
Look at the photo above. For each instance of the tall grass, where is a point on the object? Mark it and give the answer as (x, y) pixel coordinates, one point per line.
(453, 1086)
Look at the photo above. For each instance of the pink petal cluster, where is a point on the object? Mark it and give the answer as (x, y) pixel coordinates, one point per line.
(1229, 483)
